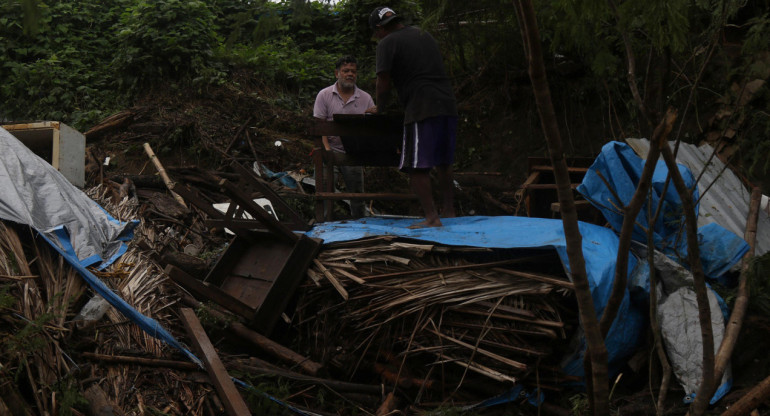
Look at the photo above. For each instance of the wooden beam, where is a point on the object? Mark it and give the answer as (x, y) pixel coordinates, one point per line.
(257, 212)
(363, 195)
(265, 344)
(229, 395)
(249, 178)
(546, 186)
(546, 168)
(274, 349)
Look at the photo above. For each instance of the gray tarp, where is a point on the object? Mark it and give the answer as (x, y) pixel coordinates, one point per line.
(680, 326)
(32, 192)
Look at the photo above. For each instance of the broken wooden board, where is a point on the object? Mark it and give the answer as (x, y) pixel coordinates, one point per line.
(224, 385)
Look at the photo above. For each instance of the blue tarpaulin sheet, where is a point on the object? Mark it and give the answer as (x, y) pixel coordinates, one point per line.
(720, 249)
(610, 184)
(620, 166)
(599, 249)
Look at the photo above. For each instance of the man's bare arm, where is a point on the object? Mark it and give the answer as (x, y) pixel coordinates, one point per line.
(384, 91)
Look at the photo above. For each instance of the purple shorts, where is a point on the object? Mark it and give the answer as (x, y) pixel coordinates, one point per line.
(429, 143)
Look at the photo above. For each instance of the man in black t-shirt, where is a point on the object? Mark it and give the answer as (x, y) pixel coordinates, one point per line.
(409, 60)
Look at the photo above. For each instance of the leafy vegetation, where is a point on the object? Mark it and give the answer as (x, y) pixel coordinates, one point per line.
(81, 61)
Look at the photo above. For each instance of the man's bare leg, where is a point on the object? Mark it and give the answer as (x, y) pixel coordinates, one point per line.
(420, 181)
(446, 185)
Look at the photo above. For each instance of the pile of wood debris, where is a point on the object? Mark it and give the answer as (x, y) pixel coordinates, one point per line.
(380, 323)
(447, 324)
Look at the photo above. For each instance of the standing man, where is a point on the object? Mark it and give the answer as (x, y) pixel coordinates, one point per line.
(409, 60)
(344, 97)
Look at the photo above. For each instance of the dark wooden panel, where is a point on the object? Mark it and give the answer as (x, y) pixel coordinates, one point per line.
(305, 250)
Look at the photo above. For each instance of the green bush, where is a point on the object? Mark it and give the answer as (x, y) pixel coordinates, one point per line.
(57, 69)
(166, 40)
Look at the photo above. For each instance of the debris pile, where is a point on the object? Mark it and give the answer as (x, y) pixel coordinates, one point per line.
(453, 323)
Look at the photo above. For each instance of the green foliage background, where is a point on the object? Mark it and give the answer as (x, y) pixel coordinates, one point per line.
(79, 62)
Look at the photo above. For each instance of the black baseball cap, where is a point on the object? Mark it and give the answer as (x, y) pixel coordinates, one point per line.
(381, 16)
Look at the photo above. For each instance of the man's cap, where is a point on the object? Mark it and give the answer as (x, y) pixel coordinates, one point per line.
(381, 16)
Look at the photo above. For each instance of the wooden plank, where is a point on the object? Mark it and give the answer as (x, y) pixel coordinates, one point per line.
(532, 178)
(546, 186)
(581, 204)
(547, 168)
(193, 196)
(363, 195)
(202, 290)
(336, 283)
(274, 349)
(229, 395)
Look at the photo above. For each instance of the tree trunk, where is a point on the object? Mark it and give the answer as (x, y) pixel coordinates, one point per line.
(699, 282)
(629, 220)
(596, 348)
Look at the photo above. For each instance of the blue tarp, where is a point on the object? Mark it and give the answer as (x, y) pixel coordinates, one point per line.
(615, 175)
(599, 249)
(720, 249)
(620, 166)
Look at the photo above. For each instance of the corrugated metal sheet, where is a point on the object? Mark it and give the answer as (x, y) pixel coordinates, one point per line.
(724, 199)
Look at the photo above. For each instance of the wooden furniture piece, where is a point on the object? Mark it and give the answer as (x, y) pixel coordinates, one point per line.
(369, 140)
(260, 270)
(540, 195)
(58, 144)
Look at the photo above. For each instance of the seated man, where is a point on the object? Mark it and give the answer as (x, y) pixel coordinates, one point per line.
(344, 97)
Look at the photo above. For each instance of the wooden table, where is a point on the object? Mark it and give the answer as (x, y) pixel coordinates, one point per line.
(369, 140)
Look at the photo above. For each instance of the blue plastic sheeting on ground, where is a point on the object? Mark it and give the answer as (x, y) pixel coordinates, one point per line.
(619, 165)
(149, 325)
(599, 249)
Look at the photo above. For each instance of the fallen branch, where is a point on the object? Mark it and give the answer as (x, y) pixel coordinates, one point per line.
(162, 171)
(742, 299)
(753, 399)
(149, 362)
